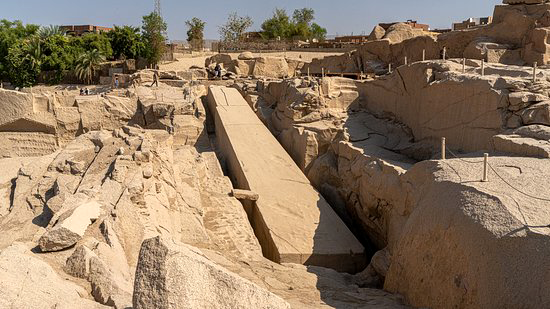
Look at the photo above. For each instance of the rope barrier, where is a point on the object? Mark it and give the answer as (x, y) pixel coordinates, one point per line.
(464, 160)
(518, 190)
(500, 177)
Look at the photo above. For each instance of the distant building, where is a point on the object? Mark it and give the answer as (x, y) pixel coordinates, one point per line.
(179, 44)
(410, 22)
(441, 30)
(178, 47)
(79, 30)
(352, 39)
(472, 23)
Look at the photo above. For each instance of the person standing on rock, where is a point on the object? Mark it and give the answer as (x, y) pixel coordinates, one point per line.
(218, 71)
(155, 79)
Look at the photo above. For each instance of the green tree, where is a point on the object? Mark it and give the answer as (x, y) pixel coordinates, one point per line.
(304, 27)
(302, 23)
(10, 34)
(59, 55)
(99, 41)
(278, 26)
(301, 26)
(195, 33)
(318, 32)
(153, 30)
(87, 64)
(35, 52)
(233, 30)
(303, 16)
(21, 69)
(48, 31)
(126, 42)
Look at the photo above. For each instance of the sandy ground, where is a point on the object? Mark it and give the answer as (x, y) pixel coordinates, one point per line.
(198, 60)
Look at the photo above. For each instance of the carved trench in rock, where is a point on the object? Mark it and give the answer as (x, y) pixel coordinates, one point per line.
(259, 226)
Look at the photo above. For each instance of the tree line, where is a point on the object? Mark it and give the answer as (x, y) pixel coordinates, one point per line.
(278, 27)
(28, 50)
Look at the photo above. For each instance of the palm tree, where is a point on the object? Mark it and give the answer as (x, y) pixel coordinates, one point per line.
(87, 64)
(48, 31)
(35, 52)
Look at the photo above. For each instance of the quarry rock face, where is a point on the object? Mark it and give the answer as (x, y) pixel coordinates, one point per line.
(89, 206)
(247, 65)
(365, 162)
(517, 35)
(415, 96)
(199, 283)
(269, 190)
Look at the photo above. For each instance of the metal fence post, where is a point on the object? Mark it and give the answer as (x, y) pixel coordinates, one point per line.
(485, 167)
(443, 148)
(534, 72)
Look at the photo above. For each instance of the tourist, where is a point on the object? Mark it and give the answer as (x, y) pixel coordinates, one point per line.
(218, 71)
(87, 91)
(116, 82)
(81, 91)
(155, 79)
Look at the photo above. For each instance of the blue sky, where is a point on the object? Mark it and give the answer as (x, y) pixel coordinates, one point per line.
(338, 16)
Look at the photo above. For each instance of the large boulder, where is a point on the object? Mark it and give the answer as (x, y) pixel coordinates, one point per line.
(270, 67)
(492, 52)
(473, 244)
(12, 168)
(107, 287)
(15, 105)
(377, 33)
(70, 227)
(401, 31)
(242, 67)
(193, 74)
(219, 58)
(171, 275)
(537, 114)
(538, 132)
(28, 282)
(246, 56)
(520, 100)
